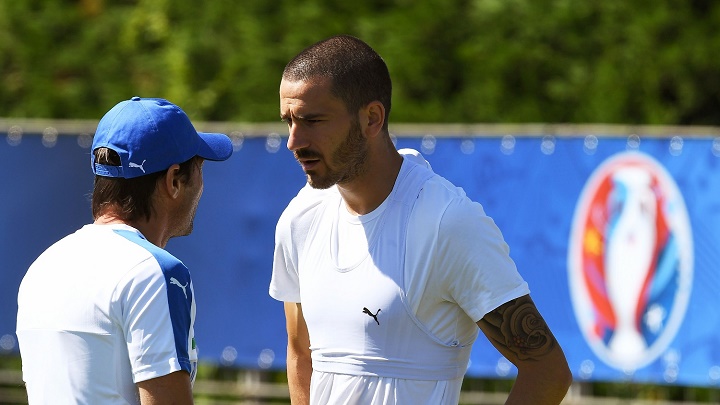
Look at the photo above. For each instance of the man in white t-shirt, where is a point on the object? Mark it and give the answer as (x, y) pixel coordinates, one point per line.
(106, 315)
(387, 270)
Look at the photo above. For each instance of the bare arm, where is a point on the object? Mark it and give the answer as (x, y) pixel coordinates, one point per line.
(299, 364)
(171, 389)
(519, 332)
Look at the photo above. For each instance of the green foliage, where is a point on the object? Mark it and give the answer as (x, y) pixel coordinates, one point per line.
(513, 61)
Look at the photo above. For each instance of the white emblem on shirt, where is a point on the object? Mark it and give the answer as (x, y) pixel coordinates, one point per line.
(139, 166)
(173, 280)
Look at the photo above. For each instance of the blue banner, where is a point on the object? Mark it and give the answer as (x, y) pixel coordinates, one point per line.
(618, 237)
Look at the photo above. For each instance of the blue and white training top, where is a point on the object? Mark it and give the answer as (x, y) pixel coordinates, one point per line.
(101, 310)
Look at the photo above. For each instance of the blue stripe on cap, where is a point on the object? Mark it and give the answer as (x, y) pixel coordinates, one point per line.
(107, 170)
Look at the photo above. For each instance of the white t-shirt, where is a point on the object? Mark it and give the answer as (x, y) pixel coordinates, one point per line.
(99, 311)
(466, 273)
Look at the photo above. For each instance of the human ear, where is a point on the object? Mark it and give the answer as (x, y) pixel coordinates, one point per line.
(171, 181)
(374, 117)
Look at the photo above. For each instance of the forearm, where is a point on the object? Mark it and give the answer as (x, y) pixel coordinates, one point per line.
(299, 363)
(540, 387)
(299, 370)
(519, 332)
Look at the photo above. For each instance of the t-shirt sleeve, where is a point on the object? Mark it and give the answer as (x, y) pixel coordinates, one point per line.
(484, 276)
(285, 282)
(290, 235)
(157, 316)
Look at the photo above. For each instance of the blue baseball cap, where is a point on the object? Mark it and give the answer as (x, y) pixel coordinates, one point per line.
(150, 135)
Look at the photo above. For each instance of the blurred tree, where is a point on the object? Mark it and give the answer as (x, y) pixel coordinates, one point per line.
(617, 61)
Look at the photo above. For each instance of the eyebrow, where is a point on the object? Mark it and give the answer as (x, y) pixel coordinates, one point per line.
(304, 117)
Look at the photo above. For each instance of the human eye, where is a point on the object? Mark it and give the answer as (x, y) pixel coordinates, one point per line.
(304, 120)
(312, 119)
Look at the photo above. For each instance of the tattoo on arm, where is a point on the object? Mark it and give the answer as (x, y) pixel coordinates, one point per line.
(518, 326)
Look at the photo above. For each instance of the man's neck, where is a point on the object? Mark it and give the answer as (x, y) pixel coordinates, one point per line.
(367, 192)
(149, 229)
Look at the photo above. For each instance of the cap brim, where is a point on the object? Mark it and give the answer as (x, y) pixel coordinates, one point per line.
(215, 146)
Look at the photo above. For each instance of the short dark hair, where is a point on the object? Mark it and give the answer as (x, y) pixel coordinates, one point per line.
(359, 75)
(128, 199)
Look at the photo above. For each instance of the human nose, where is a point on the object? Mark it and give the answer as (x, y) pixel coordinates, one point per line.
(297, 139)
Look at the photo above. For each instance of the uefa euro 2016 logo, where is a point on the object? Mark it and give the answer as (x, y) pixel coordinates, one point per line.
(630, 260)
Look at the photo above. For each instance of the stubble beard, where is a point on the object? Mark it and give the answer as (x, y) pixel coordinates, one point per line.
(350, 157)
(186, 217)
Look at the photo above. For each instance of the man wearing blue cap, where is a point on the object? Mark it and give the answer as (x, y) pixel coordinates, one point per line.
(106, 315)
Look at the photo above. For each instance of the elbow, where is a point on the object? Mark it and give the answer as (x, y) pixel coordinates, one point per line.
(558, 375)
(563, 377)
(298, 355)
(566, 377)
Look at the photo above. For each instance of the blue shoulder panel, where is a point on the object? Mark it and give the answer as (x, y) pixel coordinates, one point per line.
(179, 294)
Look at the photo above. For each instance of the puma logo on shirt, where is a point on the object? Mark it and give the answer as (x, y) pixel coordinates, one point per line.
(173, 280)
(374, 316)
